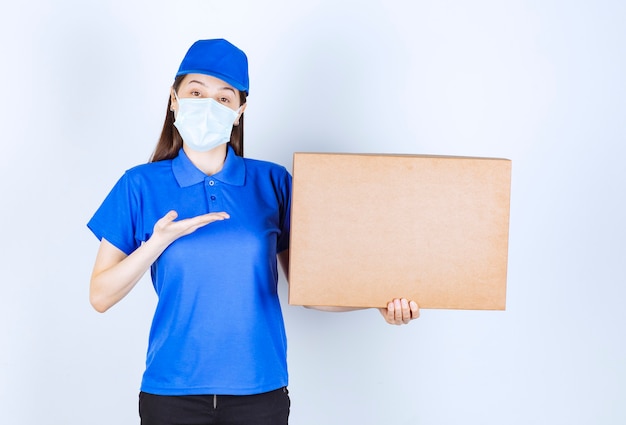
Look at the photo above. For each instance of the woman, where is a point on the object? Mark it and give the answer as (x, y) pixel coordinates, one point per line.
(209, 224)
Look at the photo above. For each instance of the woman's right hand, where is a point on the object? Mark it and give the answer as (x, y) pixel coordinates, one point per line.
(167, 230)
(115, 273)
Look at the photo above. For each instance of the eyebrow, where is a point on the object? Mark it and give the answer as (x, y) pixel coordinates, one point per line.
(202, 84)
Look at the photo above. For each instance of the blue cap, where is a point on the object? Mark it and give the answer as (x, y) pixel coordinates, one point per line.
(217, 58)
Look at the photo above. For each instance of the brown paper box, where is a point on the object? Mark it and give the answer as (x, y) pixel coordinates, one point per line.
(369, 228)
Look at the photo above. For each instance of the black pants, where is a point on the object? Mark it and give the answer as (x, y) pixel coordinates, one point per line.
(271, 408)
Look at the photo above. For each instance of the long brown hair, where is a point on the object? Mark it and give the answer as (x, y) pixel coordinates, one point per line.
(170, 141)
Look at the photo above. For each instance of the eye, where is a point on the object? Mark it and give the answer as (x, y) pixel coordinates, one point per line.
(224, 100)
(196, 93)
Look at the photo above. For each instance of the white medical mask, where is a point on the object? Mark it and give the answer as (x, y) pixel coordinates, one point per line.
(204, 123)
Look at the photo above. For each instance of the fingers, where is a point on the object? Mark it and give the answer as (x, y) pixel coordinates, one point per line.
(415, 310)
(170, 216)
(391, 313)
(400, 311)
(169, 229)
(194, 223)
(208, 218)
(164, 221)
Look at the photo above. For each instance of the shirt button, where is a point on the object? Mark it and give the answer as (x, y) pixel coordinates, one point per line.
(211, 183)
(213, 198)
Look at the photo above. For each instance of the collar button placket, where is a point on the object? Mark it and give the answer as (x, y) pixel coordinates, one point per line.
(212, 195)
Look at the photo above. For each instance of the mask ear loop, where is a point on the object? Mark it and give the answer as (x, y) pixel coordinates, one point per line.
(239, 115)
(177, 101)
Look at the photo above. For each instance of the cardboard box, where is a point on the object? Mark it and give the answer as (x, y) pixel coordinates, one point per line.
(369, 228)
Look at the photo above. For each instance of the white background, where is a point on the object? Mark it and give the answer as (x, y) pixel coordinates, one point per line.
(84, 92)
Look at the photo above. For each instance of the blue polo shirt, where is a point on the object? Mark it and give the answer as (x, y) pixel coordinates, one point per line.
(218, 326)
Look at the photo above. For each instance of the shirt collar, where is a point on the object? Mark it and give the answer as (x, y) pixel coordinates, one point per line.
(187, 174)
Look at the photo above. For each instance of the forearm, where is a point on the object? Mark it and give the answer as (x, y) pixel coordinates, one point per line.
(115, 273)
(114, 279)
(399, 311)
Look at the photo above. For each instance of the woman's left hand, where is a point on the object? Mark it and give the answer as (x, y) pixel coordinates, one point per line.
(400, 311)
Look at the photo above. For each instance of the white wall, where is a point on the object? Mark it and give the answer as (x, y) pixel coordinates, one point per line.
(84, 91)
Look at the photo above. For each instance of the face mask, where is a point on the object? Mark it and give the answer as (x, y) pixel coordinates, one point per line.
(204, 123)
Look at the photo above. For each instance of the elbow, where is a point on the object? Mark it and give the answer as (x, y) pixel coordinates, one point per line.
(97, 301)
(99, 308)
(97, 304)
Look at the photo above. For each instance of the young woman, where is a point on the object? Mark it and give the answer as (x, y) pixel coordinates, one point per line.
(209, 224)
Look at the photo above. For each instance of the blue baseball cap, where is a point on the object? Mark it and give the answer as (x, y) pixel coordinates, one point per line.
(217, 58)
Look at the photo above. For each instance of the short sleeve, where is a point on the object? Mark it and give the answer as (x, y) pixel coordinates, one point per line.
(285, 213)
(116, 219)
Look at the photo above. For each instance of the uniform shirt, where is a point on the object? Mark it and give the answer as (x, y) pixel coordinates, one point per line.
(218, 326)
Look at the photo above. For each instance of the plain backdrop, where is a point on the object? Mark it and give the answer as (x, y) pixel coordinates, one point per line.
(541, 82)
